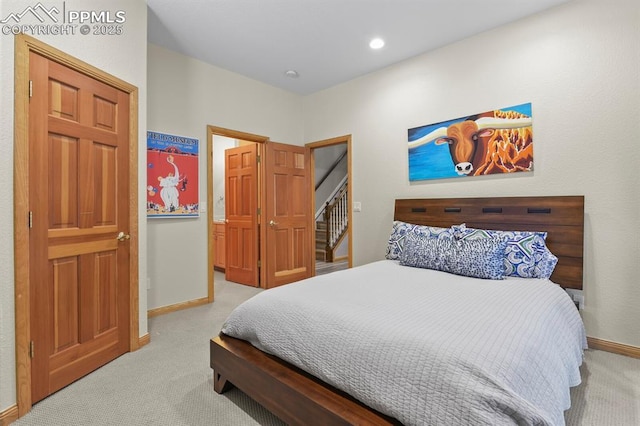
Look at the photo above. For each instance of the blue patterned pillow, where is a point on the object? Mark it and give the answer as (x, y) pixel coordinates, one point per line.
(545, 262)
(482, 258)
(523, 252)
(400, 231)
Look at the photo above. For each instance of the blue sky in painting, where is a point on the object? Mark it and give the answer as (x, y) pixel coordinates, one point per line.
(431, 161)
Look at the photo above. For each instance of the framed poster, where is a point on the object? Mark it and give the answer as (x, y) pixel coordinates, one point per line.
(172, 176)
(491, 142)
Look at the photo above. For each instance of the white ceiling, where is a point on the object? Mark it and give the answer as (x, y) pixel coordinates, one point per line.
(325, 41)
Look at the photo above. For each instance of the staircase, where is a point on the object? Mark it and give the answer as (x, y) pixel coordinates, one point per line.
(321, 240)
(332, 225)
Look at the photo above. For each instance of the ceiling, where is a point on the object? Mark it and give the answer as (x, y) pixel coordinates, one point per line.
(325, 41)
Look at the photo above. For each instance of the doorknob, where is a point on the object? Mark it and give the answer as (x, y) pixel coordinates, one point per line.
(273, 223)
(122, 236)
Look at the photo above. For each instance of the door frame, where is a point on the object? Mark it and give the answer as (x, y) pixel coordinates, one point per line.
(23, 46)
(338, 140)
(234, 134)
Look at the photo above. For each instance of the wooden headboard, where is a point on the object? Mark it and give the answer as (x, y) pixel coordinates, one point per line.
(561, 217)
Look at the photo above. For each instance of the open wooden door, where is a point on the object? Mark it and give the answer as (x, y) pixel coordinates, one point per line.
(288, 254)
(79, 215)
(241, 214)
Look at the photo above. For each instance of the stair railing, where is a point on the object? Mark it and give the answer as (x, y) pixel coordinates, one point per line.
(320, 212)
(328, 172)
(336, 214)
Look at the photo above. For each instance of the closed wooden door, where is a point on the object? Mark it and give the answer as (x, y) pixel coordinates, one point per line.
(79, 203)
(241, 214)
(288, 222)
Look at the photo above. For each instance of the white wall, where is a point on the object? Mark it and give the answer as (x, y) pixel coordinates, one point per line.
(123, 56)
(185, 95)
(579, 66)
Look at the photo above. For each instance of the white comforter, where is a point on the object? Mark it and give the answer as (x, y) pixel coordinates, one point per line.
(426, 347)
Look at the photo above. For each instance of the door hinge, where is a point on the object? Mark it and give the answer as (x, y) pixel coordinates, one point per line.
(32, 349)
(30, 88)
(259, 263)
(259, 211)
(258, 159)
(30, 219)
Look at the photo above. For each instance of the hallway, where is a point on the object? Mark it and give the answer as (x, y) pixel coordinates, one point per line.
(326, 267)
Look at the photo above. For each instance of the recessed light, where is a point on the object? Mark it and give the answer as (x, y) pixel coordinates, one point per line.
(292, 74)
(376, 43)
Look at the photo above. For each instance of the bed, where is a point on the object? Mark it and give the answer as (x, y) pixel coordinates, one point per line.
(498, 370)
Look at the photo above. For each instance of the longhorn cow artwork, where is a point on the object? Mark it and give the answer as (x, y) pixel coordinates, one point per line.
(491, 142)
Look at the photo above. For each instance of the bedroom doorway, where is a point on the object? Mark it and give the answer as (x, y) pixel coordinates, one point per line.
(332, 200)
(219, 140)
(266, 207)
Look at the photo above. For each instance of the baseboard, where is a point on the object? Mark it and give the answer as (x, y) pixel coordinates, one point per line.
(9, 415)
(144, 340)
(614, 347)
(177, 307)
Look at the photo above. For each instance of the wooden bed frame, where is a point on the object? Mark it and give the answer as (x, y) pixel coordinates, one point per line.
(300, 399)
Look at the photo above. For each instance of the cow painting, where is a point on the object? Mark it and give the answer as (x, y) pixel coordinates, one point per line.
(493, 142)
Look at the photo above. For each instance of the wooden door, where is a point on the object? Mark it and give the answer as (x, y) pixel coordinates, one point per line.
(241, 214)
(79, 203)
(288, 223)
